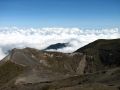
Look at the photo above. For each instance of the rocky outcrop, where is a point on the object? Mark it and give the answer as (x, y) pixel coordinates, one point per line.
(104, 53)
(93, 67)
(42, 66)
(81, 66)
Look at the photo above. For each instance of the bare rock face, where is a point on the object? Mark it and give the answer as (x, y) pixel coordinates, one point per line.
(82, 64)
(22, 58)
(41, 66)
(88, 68)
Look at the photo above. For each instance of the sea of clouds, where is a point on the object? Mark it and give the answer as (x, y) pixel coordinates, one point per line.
(40, 38)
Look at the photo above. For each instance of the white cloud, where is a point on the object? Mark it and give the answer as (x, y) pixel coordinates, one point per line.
(40, 38)
(2, 55)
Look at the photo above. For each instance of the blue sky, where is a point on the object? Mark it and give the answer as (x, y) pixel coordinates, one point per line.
(60, 13)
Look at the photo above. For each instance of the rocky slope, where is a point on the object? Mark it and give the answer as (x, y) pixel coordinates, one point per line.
(105, 53)
(93, 67)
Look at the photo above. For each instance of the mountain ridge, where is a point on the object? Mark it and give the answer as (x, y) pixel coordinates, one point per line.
(88, 68)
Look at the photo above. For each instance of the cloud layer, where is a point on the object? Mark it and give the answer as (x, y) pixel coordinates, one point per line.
(40, 38)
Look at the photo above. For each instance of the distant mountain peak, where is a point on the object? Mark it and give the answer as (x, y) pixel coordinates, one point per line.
(57, 46)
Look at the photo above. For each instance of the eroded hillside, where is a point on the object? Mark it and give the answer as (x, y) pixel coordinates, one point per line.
(93, 67)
